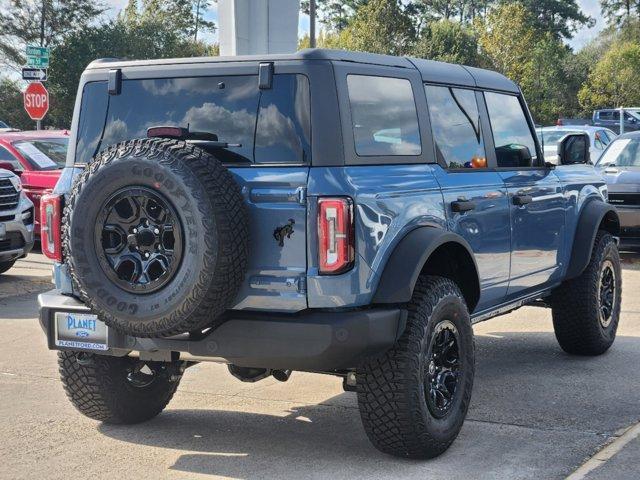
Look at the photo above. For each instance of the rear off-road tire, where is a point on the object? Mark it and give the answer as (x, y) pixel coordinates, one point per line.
(399, 413)
(156, 234)
(586, 309)
(116, 389)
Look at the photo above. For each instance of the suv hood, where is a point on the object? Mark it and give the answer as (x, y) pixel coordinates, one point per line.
(6, 173)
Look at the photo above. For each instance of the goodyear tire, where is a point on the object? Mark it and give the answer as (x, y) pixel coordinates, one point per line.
(413, 399)
(156, 236)
(119, 390)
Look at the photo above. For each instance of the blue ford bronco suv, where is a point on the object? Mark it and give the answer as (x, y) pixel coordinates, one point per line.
(334, 212)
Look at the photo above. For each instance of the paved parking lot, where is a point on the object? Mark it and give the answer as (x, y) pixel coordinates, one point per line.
(536, 412)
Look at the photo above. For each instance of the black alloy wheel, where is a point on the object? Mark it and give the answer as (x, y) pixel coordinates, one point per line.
(443, 369)
(141, 241)
(607, 293)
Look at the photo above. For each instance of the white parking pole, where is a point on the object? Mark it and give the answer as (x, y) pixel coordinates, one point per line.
(621, 120)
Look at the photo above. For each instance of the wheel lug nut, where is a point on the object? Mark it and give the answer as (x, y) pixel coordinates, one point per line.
(156, 231)
(135, 230)
(146, 255)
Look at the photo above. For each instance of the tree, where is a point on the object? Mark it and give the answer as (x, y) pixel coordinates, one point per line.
(537, 61)
(618, 12)
(423, 12)
(334, 14)
(184, 18)
(147, 37)
(448, 41)
(381, 26)
(12, 111)
(613, 81)
(20, 24)
(562, 18)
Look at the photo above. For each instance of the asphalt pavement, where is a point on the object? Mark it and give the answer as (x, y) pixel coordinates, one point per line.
(536, 412)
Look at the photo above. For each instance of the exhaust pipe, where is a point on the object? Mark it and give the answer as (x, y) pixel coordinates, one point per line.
(255, 374)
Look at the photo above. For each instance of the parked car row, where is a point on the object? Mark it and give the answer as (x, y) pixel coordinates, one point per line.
(607, 118)
(37, 157)
(549, 138)
(16, 220)
(30, 165)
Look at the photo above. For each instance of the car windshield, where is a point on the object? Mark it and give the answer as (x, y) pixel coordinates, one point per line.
(44, 153)
(3, 125)
(622, 152)
(551, 138)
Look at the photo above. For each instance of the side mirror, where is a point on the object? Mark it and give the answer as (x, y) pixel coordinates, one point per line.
(8, 166)
(574, 149)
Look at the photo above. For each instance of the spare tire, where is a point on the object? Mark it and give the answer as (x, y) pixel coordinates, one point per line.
(156, 236)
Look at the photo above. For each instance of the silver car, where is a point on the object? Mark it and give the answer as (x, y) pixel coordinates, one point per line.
(620, 167)
(550, 136)
(16, 221)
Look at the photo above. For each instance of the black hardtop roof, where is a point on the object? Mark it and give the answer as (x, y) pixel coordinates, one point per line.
(431, 71)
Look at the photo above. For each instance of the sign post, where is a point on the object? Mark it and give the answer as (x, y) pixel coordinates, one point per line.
(36, 101)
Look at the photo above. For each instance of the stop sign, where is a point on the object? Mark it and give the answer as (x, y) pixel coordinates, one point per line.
(36, 101)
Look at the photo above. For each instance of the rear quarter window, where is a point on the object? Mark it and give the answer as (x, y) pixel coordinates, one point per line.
(271, 126)
(384, 116)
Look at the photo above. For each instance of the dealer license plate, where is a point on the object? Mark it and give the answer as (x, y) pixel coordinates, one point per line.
(80, 330)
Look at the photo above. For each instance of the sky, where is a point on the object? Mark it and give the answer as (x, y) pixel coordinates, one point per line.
(590, 7)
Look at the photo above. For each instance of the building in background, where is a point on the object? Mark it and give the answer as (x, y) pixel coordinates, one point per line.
(257, 27)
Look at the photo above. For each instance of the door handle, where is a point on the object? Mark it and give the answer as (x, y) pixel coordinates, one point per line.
(462, 205)
(521, 200)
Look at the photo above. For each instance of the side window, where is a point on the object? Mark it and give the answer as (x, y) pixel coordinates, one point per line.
(283, 132)
(604, 115)
(601, 139)
(384, 116)
(515, 146)
(7, 156)
(455, 121)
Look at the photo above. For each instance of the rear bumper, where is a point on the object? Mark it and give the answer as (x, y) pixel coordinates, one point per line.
(310, 340)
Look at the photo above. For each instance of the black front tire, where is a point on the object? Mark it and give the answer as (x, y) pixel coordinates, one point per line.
(393, 388)
(107, 389)
(579, 323)
(5, 266)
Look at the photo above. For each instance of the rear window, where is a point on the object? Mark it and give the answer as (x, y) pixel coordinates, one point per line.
(383, 112)
(271, 126)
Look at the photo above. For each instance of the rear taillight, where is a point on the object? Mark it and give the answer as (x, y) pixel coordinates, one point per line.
(335, 234)
(50, 215)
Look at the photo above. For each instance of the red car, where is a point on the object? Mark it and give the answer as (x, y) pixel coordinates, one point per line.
(38, 157)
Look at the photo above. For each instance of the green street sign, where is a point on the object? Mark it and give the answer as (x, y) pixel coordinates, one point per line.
(38, 62)
(36, 51)
(37, 56)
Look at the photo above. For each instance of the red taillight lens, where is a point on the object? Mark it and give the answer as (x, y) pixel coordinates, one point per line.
(50, 215)
(335, 235)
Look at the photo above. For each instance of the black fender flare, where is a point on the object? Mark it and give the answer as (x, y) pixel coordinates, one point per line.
(593, 215)
(410, 255)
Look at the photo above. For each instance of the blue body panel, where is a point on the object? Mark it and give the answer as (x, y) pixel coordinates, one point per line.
(276, 274)
(390, 201)
(537, 229)
(486, 228)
